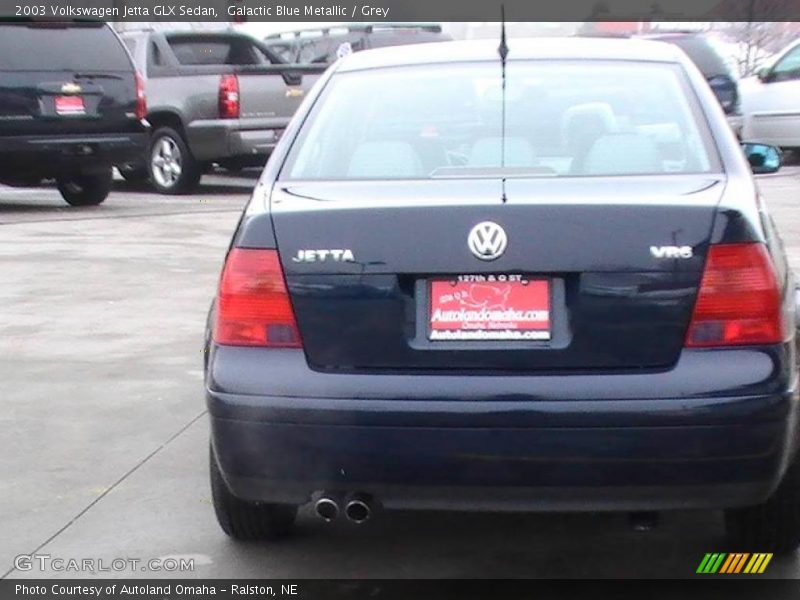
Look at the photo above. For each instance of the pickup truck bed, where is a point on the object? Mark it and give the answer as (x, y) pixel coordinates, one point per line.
(213, 98)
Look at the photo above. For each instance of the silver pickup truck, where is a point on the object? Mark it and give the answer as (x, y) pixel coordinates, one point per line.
(212, 97)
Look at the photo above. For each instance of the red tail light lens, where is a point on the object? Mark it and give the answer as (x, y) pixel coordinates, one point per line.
(229, 97)
(141, 101)
(739, 301)
(253, 306)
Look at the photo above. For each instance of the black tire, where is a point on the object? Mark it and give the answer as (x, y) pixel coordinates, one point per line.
(243, 520)
(134, 174)
(170, 164)
(773, 526)
(85, 189)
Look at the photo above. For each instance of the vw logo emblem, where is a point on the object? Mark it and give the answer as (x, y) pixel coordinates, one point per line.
(487, 240)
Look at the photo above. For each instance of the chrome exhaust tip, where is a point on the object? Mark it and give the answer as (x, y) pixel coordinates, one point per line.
(358, 510)
(327, 509)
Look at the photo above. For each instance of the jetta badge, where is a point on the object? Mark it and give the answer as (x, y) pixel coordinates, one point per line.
(487, 240)
(335, 255)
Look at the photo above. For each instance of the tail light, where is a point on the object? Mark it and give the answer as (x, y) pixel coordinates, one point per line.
(141, 101)
(739, 301)
(253, 306)
(229, 97)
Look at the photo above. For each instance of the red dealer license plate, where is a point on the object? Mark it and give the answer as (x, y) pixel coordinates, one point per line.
(489, 308)
(70, 105)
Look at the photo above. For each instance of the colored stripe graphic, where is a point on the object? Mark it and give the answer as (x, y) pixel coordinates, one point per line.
(727, 564)
(711, 562)
(758, 563)
(765, 563)
(734, 562)
(703, 564)
(741, 562)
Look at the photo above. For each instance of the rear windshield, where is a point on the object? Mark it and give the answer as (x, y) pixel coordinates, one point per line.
(214, 51)
(61, 47)
(561, 119)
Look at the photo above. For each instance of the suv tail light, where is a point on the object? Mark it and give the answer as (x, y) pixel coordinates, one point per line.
(253, 306)
(229, 97)
(739, 301)
(141, 101)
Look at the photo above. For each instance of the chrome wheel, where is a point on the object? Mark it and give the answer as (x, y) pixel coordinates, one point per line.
(166, 162)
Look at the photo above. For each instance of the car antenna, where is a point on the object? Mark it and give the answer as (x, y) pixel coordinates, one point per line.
(502, 50)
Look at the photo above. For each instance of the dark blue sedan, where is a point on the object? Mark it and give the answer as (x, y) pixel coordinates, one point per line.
(539, 279)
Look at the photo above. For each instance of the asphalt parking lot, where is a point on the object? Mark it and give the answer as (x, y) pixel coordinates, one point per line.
(103, 423)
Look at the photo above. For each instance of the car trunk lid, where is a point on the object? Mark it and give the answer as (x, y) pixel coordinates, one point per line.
(610, 253)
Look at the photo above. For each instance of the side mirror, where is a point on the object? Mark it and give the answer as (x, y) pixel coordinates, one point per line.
(764, 74)
(762, 157)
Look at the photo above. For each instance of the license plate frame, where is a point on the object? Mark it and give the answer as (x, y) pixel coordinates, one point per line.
(506, 308)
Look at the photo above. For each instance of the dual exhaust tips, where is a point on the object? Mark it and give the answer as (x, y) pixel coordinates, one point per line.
(357, 508)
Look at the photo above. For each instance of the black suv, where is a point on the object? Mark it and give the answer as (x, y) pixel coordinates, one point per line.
(71, 107)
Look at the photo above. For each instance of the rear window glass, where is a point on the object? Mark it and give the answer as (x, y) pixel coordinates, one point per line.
(196, 52)
(61, 47)
(285, 50)
(562, 119)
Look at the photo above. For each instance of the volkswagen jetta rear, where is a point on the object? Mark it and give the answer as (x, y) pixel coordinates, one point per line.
(544, 283)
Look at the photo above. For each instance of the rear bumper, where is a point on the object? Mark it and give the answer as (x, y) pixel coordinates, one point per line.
(456, 450)
(50, 155)
(215, 139)
(633, 468)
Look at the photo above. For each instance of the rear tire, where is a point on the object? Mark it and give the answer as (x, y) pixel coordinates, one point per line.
(172, 168)
(85, 189)
(243, 520)
(773, 526)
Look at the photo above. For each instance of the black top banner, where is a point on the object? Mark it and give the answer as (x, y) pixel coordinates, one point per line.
(404, 10)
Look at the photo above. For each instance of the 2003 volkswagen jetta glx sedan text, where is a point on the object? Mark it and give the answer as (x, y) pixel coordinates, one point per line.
(540, 282)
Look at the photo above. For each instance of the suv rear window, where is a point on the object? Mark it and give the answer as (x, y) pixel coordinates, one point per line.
(49, 46)
(562, 119)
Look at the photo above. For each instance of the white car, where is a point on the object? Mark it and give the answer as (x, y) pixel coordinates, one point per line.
(771, 101)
